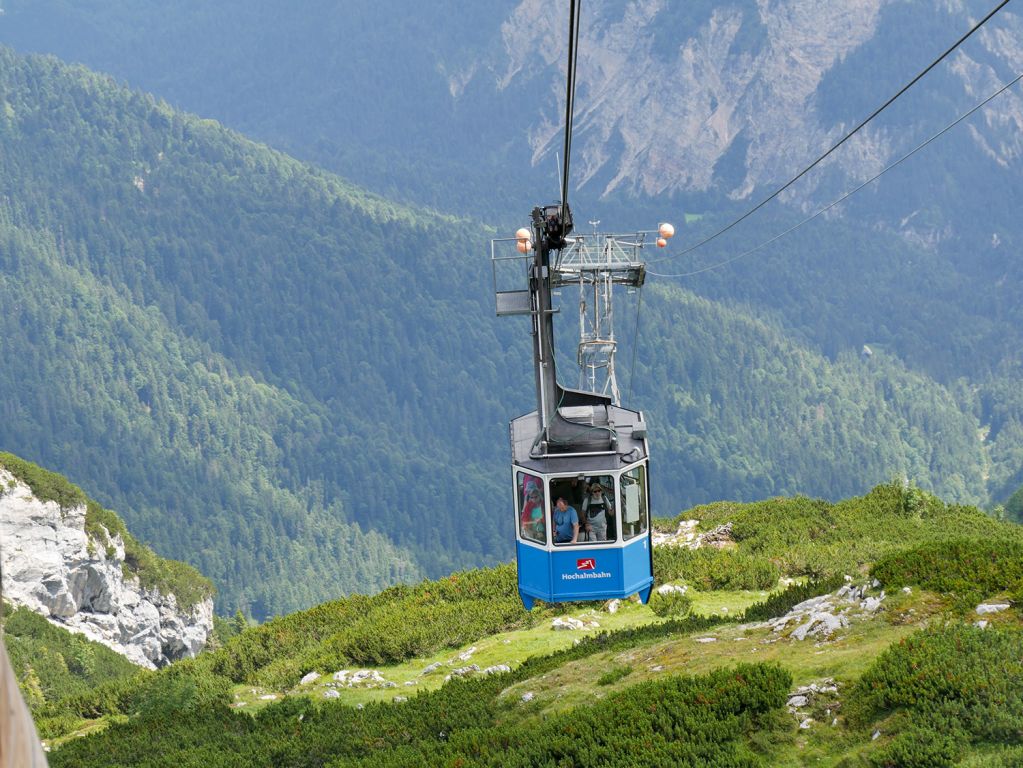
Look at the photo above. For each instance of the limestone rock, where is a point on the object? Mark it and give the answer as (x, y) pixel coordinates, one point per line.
(985, 608)
(566, 623)
(669, 589)
(51, 566)
(820, 624)
(312, 677)
(684, 535)
(871, 604)
(463, 671)
(366, 678)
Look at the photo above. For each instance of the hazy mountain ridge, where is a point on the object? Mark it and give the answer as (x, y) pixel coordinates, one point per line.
(663, 110)
(693, 96)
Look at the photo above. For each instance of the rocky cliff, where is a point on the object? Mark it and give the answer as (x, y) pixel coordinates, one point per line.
(87, 582)
(682, 97)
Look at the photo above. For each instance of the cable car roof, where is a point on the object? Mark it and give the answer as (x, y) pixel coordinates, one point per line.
(628, 426)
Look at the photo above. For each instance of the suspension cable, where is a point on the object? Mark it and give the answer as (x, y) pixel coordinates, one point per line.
(839, 143)
(574, 12)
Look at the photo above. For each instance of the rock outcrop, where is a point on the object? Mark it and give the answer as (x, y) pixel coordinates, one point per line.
(53, 567)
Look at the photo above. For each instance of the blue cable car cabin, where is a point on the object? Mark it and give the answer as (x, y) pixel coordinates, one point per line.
(610, 554)
(580, 461)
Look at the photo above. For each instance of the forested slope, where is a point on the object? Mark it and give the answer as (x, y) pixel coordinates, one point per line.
(301, 389)
(211, 366)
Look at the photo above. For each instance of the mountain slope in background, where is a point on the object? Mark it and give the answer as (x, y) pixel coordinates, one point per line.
(694, 108)
(300, 388)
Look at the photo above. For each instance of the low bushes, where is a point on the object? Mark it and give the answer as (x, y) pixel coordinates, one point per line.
(968, 569)
(723, 708)
(803, 536)
(710, 568)
(678, 721)
(395, 625)
(944, 689)
(673, 604)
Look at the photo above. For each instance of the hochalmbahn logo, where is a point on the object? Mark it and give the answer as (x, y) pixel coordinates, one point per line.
(585, 564)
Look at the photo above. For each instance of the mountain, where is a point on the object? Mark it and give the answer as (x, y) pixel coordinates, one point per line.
(791, 631)
(192, 366)
(674, 99)
(686, 111)
(300, 388)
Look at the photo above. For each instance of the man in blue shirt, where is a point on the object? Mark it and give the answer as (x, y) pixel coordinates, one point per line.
(566, 523)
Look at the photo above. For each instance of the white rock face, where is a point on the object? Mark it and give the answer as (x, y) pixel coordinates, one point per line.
(670, 589)
(51, 567)
(991, 608)
(824, 615)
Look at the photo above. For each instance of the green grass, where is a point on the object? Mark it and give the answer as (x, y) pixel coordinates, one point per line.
(844, 657)
(45, 485)
(585, 670)
(511, 648)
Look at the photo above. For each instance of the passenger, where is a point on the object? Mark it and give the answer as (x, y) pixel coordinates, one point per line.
(566, 523)
(596, 510)
(532, 515)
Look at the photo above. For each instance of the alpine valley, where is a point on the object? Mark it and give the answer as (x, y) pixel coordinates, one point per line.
(247, 323)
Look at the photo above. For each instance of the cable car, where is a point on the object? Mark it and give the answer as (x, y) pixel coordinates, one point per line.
(580, 477)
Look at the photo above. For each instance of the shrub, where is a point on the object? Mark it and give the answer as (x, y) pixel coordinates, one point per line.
(709, 568)
(613, 675)
(969, 569)
(918, 747)
(956, 684)
(45, 485)
(671, 604)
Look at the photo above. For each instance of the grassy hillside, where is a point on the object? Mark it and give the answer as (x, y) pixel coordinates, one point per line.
(712, 687)
(52, 664)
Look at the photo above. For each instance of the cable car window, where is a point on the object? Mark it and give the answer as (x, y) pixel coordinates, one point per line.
(597, 521)
(531, 519)
(634, 504)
